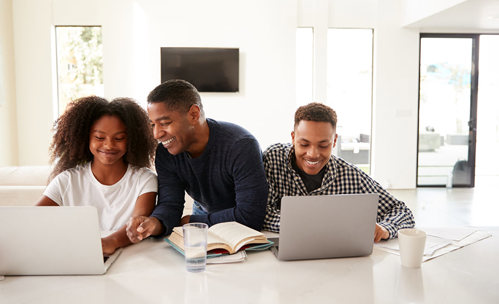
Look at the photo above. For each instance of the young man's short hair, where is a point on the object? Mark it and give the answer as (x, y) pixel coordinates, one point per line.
(316, 112)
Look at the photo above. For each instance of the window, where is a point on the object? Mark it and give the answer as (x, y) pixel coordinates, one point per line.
(349, 92)
(79, 63)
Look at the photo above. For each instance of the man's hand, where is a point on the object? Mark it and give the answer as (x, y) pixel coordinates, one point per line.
(185, 220)
(380, 233)
(141, 227)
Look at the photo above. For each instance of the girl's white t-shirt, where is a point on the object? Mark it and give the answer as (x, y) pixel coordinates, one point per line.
(115, 203)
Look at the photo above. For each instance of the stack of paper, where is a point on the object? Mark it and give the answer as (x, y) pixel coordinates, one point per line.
(227, 258)
(440, 241)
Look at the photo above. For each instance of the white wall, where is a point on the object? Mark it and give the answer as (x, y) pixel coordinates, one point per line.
(395, 88)
(134, 31)
(264, 30)
(32, 47)
(396, 68)
(8, 128)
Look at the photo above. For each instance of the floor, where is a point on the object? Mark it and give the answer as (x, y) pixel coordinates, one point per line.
(478, 206)
(435, 167)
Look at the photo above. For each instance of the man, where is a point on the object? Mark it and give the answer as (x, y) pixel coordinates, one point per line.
(307, 167)
(218, 164)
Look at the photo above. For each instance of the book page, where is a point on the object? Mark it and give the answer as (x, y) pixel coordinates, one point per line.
(215, 242)
(212, 241)
(177, 238)
(237, 235)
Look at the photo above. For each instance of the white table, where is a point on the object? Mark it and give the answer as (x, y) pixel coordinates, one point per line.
(152, 272)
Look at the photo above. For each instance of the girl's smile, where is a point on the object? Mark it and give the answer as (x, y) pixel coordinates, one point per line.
(108, 140)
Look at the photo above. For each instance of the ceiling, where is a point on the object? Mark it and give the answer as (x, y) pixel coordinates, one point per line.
(471, 15)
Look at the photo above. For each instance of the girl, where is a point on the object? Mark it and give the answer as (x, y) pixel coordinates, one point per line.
(102, 151)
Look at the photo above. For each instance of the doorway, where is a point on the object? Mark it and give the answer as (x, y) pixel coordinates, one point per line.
(448, 77)
(458, 124)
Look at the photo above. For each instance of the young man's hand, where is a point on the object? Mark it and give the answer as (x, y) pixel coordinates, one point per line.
(380, 233)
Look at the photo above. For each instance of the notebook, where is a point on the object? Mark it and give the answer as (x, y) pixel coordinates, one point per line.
(51, 241)
(326, 226)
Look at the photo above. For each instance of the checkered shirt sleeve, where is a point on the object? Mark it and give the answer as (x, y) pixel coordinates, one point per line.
(340, 178)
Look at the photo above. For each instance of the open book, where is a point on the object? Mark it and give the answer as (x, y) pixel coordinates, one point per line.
(224, 238)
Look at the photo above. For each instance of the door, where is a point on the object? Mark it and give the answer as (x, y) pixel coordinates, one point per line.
(447, 110)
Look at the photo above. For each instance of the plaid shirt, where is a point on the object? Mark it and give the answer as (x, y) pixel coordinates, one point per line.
(340, 178)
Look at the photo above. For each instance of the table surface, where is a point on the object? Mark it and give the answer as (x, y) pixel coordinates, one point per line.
(153, 272)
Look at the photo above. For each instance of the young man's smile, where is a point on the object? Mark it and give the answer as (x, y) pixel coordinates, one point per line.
(313, 142)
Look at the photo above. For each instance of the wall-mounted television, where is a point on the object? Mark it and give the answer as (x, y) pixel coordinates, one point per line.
(208, 69)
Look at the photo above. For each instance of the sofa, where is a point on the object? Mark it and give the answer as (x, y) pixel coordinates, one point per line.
(429, 142)
(22, 185)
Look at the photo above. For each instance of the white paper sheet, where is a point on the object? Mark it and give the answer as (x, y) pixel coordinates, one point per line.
(228, 258)
(440, 241)
(451, 233)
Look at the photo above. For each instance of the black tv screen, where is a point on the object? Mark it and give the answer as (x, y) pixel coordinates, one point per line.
(208, 69)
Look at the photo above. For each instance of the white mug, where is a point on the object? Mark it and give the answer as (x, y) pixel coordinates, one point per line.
(411, 243)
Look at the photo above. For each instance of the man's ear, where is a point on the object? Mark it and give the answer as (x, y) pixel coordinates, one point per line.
(293, 137)
(335, 139)
(194, 113)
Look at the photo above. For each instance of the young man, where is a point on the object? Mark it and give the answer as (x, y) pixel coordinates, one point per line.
(218, 164)
(307, 167)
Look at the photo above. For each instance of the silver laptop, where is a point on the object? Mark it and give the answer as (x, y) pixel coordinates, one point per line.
(326, 226)
(51, 241)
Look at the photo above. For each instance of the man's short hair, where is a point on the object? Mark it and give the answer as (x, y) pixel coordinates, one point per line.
(316, 112)
(177, 94)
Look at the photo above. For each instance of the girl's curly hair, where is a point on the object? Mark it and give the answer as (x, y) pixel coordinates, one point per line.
(70, 143)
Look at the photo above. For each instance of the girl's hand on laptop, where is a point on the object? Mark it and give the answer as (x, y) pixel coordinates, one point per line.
(108, 246)
(380, 233)
(141, 227)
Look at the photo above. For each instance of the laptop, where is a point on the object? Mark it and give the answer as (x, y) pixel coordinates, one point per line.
(51, 241)
(326, 226)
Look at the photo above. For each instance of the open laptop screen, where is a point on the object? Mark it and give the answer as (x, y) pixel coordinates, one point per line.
(50, 241)
(327, 226)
